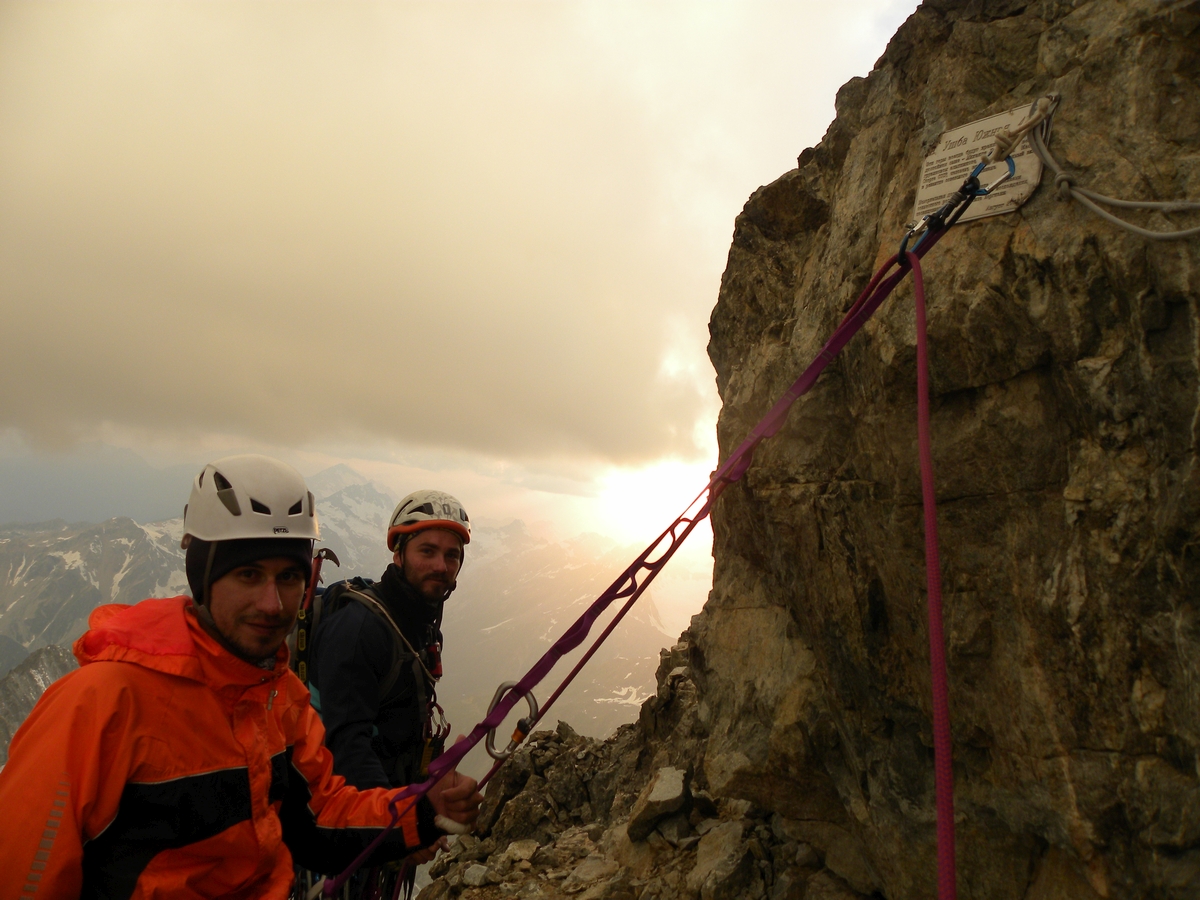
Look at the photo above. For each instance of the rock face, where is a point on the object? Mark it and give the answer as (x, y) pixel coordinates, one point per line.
(1064, 365)
(665, 794)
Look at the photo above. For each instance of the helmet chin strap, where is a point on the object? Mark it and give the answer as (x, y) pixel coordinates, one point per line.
(205, 584)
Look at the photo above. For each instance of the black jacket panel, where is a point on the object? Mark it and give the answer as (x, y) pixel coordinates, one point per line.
(352, 655)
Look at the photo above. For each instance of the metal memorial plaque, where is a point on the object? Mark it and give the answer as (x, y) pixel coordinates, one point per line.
(957, 153)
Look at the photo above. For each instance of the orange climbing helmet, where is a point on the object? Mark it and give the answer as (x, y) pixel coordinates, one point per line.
(427, 509)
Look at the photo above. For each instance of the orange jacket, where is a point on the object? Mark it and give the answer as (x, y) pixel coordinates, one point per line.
(166, 767)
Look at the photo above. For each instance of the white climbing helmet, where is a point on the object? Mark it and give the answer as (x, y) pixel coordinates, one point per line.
(249, 496)
(428, 509)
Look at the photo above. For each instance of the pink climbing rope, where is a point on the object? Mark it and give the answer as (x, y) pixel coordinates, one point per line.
(943, 768)
(637, 577)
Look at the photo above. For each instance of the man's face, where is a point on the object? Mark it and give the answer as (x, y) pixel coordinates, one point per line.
(431, 561)
(254, 606)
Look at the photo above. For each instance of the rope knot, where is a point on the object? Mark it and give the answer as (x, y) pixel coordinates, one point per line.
(1062, 181)
(1006, 140)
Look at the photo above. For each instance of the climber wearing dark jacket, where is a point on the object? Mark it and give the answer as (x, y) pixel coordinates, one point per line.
(376, 652)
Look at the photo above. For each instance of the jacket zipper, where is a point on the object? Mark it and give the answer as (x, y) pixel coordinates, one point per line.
(271, 699)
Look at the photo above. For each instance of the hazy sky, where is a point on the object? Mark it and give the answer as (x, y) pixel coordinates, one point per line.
(471, 244)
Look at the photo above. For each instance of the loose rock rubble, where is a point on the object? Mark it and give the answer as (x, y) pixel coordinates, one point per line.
(631, 818)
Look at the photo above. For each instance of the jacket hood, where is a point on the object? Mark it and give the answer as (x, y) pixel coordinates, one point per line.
(164, 635)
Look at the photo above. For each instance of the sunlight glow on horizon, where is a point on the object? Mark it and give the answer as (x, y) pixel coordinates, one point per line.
(638, 504)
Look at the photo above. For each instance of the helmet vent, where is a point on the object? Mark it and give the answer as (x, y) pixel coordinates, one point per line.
(260, 507)
(225, 493)
(297, 507)
(426, 508)
(230, 500)
(312, 507)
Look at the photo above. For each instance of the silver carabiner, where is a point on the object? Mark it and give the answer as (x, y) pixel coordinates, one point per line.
(914, 229)
(1010, 173)
(523, 725)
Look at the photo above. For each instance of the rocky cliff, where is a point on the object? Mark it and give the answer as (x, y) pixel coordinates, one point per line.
(1065, 373)
(792, 729)
(633, 818)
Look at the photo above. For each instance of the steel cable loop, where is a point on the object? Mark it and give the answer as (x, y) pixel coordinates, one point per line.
(1067, 191)
(1008, 138)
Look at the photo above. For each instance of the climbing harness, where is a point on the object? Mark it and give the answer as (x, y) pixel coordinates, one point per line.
(630, 585)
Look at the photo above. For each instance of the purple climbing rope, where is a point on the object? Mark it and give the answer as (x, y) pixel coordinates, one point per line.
(942, 756)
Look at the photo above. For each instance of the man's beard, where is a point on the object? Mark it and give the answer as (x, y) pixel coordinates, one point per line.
(432, 589)
(252, 655)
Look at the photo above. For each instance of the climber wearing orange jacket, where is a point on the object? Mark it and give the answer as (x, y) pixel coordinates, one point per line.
(183, 758)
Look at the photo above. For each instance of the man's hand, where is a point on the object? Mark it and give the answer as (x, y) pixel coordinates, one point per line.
(423, 856)
(457, 797)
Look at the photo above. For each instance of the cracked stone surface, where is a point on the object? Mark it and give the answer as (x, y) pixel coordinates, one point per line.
(666, 793)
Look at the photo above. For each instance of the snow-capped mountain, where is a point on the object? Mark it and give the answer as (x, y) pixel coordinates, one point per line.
(353, 523)
(11, 653)
(329, 481)
(52, 575)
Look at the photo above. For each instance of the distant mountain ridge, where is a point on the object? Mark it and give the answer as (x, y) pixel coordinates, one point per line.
(52, 575)
(11, 653)
(329, 481)
(353, 525)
